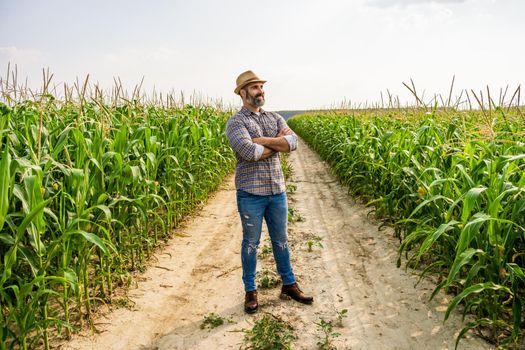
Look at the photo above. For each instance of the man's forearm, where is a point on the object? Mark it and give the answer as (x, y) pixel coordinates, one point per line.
(278, 144)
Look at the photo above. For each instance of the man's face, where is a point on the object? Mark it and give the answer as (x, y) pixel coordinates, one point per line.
(254, 94)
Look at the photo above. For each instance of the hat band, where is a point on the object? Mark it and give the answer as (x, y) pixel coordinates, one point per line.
(243, 84)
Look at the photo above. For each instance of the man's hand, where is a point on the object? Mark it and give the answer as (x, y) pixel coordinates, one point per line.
(266, 153)
(284, 132)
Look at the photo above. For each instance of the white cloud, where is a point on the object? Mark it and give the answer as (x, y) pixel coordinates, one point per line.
(402, 3)
(415, 21)
(136, 56)
(19, 56)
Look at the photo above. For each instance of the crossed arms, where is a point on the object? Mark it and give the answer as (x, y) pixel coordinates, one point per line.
(274, 144)
(258, 148)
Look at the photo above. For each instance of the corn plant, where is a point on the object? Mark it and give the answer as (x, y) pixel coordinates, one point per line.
(88, 189)
(451, 184)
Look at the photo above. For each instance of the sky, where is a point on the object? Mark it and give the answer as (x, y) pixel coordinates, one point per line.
(313, 54)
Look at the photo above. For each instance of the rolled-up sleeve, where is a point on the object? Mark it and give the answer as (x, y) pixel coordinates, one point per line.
(259, 150)
(240, 140)
(291, 139)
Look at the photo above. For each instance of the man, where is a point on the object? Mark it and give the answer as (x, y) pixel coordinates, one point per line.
(256, 137)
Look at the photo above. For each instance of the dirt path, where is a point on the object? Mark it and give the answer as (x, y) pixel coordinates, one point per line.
(355, 270)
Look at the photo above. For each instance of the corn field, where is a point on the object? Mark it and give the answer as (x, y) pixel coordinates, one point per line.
(87, 191)
(452, 185)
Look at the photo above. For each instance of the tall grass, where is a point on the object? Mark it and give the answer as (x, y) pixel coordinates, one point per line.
(88, 188)
(452, 184)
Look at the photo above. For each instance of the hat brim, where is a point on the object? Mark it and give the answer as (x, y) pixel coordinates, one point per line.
(238, 88)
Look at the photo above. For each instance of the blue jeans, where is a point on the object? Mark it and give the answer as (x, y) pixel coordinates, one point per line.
(274, 210)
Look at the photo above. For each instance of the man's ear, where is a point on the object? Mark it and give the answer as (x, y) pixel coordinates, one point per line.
(243, 93)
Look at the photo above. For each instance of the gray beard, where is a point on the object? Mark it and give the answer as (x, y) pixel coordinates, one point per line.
(256, 101)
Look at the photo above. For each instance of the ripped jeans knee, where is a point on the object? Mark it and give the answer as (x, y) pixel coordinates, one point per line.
(251, 228)
(280, 245)
(250, 248)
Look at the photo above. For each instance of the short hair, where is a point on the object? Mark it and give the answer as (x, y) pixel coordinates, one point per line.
(245, 88)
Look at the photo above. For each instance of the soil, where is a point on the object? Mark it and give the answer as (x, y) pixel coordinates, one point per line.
(350, 265)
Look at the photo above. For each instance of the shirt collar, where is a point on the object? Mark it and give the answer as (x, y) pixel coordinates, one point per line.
(248, 113)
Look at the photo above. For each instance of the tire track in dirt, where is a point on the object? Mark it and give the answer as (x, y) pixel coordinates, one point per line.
(355, 270)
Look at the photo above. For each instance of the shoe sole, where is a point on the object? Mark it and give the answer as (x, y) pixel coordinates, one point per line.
(251, 311)
(287, 297)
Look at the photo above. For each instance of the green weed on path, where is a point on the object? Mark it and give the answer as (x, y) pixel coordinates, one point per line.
(269, 333)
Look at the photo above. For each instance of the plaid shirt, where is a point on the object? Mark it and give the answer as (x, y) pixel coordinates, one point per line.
(259, 177)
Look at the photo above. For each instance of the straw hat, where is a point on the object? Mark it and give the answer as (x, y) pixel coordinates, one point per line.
(245, 79)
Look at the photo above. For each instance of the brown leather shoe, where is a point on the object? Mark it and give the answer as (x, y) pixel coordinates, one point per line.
(294, 292)
(250, 302)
